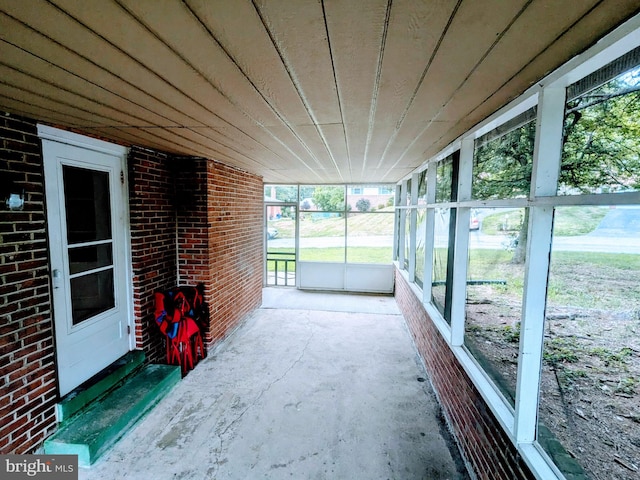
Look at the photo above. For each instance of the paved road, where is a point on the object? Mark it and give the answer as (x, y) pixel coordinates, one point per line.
(618, 232)
(583, 243)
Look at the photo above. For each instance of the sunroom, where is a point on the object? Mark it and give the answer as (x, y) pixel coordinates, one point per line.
(477, 160)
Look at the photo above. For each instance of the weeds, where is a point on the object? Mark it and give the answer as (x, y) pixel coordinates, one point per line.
(566, 377)
(511, 334)
(627, 386)
(560, 350)
(610, 358)
(472, 328)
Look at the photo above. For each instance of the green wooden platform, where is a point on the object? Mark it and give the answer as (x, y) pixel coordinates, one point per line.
(98, 425)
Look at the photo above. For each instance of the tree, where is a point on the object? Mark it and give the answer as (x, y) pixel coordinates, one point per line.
(503, 170)
(602, 138)
(329, 198)
(601, 150)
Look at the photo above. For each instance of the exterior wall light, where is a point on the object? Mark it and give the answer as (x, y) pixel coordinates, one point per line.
(15, 201)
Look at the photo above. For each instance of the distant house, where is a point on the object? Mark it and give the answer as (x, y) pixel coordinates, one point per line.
(378, 196)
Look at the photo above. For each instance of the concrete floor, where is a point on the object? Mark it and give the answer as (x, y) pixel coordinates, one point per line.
(311, 386)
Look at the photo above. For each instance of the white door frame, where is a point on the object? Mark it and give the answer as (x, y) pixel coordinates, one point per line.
(50, 134)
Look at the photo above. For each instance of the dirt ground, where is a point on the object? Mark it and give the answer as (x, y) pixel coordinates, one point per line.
(590, 397)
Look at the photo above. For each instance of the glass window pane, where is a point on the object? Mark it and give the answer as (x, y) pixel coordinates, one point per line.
(89, 257)
(396, 226)
(503, 159)
(325, 198)
(591, 359)
(495, 285)
(369, 198)
(281, 193)
(420, 232)
(370, 237)
(439, 286)
(422, 188)
(407, 238)
(601, 151)
(87, 204)
(444, 172)
(322, 236)
(407, 193)
(91, 294)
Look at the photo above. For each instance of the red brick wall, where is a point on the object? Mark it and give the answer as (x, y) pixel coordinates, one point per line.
(235, 215)
(28, 390)
(192, 225)
(194, 221)
(152, 214)
(483, 443)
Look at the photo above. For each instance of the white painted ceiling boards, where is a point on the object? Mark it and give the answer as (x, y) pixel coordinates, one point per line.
(293, 90)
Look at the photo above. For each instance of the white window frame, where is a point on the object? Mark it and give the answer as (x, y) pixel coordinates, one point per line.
(519, 423)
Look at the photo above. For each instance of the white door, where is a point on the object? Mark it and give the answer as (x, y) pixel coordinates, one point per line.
(87, 221)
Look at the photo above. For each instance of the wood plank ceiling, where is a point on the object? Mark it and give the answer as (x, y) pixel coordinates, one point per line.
(297, 91)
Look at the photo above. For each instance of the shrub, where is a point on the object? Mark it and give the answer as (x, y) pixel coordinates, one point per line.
(363, 205)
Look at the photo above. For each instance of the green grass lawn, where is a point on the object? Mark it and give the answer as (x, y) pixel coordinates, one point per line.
(336, 254)
(568, 221)
(358, 224)
(584, 279)
(581, 279)
(595, 280)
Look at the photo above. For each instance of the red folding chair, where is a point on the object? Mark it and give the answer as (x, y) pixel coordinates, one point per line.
(182, 333)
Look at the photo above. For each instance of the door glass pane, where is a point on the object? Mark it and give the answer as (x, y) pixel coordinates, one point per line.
(91, 294)
(89, 257)
(88, 216)
(281, 245)
(87, 204)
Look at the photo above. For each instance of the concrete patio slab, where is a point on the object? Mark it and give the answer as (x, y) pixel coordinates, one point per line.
(296, 393)
(291, 298)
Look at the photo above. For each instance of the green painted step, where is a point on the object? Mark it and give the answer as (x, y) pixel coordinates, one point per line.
(98, 386)
(94, 430)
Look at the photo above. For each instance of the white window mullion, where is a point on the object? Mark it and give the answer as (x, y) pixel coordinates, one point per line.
(544, 181)
(532, 326)
(461, 247)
